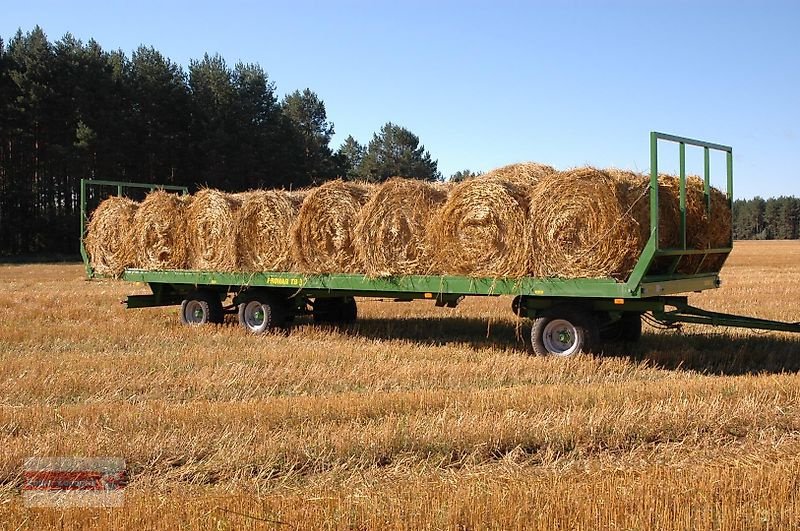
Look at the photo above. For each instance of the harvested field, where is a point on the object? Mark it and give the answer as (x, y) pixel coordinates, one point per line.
(419, 417)
(391, 235)
(108, 236)
(322, 233)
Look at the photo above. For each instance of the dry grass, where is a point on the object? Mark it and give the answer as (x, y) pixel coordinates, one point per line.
(420, 417)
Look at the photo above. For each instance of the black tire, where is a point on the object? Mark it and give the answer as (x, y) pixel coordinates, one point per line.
(334, 310)
(202, 307)
(260, 314)
(628, 329)
(563, 332)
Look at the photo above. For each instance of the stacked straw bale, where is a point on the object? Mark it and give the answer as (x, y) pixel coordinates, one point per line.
(390, 237)
(211, 220)
(262, 230)
(521, 173)
(601, 223)
(108, 236)
(159, 232)
(322, 232)
(519, 220)
(581, 225)
(481, 229)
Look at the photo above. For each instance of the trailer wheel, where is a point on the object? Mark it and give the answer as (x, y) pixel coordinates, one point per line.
(202, 307)
(334, 310)
(564, 332)
(258, 315)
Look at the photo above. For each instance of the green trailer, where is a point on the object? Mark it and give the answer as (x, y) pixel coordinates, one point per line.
(568, 315)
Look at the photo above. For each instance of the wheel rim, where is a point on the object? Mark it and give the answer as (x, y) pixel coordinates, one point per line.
(255, 315)
(561, 338)
(194, 313)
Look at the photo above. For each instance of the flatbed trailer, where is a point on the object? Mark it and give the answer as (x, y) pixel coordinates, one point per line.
(568, 315)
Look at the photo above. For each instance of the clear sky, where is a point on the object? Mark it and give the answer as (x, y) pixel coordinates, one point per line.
(489, 83)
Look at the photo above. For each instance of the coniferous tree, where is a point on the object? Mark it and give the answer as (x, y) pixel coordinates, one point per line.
(350, 154)
(309, 129)
(396, 151)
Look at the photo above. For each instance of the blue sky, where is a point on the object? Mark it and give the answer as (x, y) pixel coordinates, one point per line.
(488, 83)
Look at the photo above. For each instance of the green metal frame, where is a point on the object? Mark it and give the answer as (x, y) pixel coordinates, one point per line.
(120, 186)
(652, 250)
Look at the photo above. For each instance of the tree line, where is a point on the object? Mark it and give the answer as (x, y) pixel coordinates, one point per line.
(766, 219)
(72, 110)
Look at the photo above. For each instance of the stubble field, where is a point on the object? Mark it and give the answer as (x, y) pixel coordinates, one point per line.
(416, 418)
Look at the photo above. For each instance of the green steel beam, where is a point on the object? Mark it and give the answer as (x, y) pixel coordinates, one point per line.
(682, 177)
(84, 255)
(707, 179)
(390, 286)
(687, 252)
(689, 314)
(423, 287)
(656, 288)
(125, 184)
(654, 188)
(691, 141)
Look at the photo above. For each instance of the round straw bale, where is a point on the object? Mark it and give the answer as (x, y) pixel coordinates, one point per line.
(701, 231)
(262, 230)
(521, 173)
(211, 220)
(719, 231)
(480, 229)
(108, 236)
(390, 237)
(581, 226)
(634, 189)
(322, 232)
(159, 229)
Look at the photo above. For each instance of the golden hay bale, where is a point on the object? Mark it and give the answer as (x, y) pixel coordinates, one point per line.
(701, 231)
(634, 189)
(481, 229)
(211, 220)
(719, 234)
(580, 225)
(108, 235)
(390, 238)
(522, 173)
(159, 231)
(262, 230)
(322, 232)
